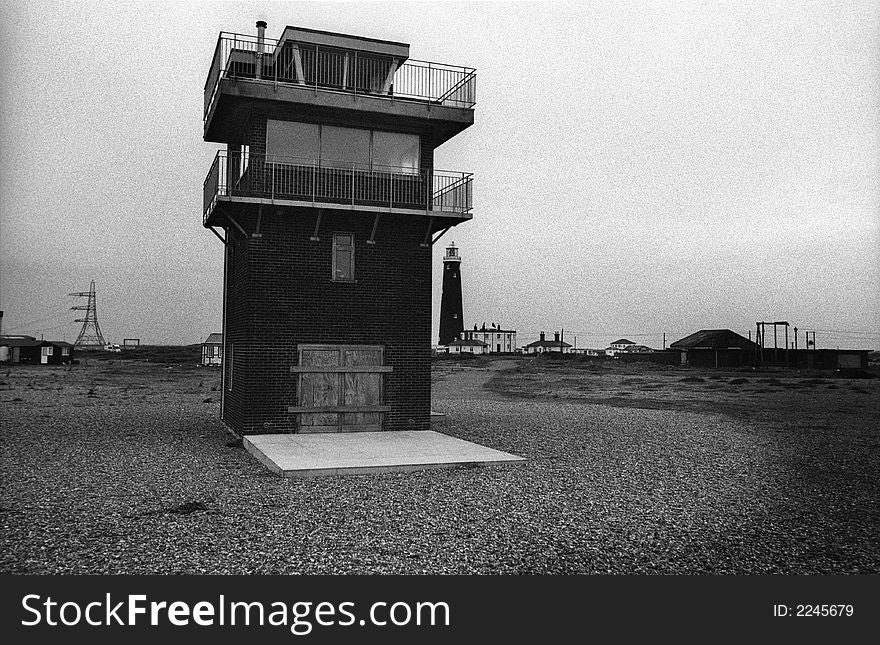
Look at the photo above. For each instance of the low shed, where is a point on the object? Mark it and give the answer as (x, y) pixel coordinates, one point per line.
(28, 350)
(716, 348)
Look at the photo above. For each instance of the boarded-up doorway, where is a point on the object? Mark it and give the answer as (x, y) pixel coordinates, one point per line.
(340, 388)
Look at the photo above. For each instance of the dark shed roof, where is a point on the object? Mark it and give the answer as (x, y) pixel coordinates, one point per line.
(623, 341)
(714, 339)
(214, 339)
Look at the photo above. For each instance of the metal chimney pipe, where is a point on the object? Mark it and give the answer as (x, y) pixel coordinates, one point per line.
(261, 35)
(261, 39)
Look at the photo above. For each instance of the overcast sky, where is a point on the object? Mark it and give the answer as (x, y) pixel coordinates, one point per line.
(640, 167)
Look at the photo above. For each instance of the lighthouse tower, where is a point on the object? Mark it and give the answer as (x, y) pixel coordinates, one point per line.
(451, 316)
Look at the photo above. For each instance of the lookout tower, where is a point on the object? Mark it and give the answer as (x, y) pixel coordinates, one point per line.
(327, 202)
(451, 315)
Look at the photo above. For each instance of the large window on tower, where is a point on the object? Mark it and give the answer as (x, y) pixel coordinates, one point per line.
(396, 150)
(345, 147)
(338, 147)
(293, 139)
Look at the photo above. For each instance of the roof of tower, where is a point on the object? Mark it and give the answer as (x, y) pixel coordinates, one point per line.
(345, 41)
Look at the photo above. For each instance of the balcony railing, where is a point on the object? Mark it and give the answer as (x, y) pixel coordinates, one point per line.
(337, 70)
(277, 178)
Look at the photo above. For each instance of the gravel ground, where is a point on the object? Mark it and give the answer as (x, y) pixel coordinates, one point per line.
(111, 468)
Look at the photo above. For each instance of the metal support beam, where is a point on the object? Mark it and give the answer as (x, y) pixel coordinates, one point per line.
(298, 66)
(425, 242)
(441, 234)
(389, 79)
(372, 239)
(236, 224)
(314, 237)
(219, 237)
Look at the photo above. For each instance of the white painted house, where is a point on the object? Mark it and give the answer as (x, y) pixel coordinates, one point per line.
(542, 346)
(620, 345)
(459, 346)
(497, 340)
(212, 350)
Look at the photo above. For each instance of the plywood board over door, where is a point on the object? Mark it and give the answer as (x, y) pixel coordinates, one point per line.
(340, 388)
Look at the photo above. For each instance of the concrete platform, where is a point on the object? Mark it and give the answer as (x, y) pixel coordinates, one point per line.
(358, 453)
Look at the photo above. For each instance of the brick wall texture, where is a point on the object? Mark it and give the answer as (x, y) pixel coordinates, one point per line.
(282, 295)
(279, 294)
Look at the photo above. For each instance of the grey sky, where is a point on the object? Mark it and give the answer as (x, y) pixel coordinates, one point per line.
(639, 167)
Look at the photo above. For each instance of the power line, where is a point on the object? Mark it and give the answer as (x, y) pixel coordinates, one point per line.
(36, 321)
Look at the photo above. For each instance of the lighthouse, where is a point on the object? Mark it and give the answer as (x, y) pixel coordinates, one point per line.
(451, 316)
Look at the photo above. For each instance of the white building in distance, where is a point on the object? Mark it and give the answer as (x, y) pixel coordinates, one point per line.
(498, 340)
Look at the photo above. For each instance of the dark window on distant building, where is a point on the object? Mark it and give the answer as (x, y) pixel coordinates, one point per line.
(343, 257)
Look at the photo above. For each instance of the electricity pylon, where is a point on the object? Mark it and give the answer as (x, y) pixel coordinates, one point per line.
(90, 334)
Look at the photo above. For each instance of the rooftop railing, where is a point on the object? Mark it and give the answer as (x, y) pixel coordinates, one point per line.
(277, 178)
(337, 70)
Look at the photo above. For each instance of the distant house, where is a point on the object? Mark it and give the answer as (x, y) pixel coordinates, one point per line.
(29, 350)
(459, 346)
(716, 348)
(619, 345)
(637, 349)
(497, 340)
(543, 346)
(586, 351)
(212, 350)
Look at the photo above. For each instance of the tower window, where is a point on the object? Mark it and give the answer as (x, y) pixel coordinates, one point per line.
(343, 257)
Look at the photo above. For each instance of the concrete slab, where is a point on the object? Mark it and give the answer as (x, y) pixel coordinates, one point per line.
(355, 453)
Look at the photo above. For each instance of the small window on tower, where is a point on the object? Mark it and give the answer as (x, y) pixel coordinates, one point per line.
(454, 316)
(454, 275)
(343, 257)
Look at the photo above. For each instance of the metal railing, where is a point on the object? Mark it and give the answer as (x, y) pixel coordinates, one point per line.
(307, 180)
(340, 70)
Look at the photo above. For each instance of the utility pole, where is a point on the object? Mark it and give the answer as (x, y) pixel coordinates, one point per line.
(664, 341)
(90, 335)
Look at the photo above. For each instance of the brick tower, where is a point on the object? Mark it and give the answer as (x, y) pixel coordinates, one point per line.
(451, 315)
(327, 201)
